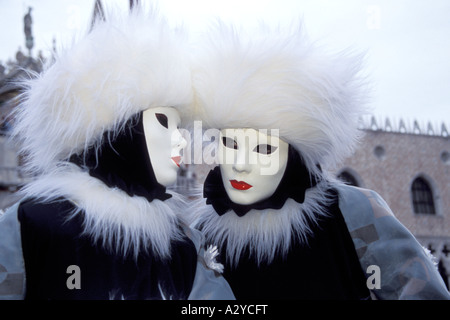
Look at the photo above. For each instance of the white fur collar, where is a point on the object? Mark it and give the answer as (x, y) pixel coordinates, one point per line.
(122, 223)
(264, 232)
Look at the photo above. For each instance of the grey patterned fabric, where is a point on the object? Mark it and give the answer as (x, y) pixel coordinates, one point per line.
(208, 283)
(406, 270)
(12, 267)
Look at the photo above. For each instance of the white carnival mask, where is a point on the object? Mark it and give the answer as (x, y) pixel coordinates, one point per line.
(164, 142)
(252, 163)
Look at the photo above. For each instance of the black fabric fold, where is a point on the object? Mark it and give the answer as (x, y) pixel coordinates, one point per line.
(123, 162)
(294, 183)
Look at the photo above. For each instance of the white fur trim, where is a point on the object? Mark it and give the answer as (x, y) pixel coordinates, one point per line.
(121, 223)
(264, 232)
(270, 78)
(126, 64)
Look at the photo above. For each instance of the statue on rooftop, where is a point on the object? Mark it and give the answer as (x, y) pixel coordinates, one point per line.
(28, 22)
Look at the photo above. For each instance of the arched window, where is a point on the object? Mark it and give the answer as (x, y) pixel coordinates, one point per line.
(422, 197)
(347, 178)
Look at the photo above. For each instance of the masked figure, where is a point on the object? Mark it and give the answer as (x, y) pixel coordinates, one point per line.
(99, 129)
(287, 110)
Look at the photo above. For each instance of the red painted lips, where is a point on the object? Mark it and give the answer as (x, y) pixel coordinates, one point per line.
(177, 160)
(240, 185)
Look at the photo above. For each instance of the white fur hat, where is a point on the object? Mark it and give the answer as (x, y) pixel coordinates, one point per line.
(275, 78)
(126, 64)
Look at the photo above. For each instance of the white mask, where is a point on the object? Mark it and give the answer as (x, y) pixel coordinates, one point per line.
(252, 163)
(164, 142)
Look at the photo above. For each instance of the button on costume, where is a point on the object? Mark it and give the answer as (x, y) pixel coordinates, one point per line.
(97, 221)
(312, 237)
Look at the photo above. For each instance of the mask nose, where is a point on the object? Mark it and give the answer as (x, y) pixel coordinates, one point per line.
(178, 141)
(241, 163)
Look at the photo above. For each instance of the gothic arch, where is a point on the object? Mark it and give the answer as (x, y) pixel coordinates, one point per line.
(424, 195)
(350, 176)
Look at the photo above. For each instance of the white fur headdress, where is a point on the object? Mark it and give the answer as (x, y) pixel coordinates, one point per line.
(276, 78)
(126, 64)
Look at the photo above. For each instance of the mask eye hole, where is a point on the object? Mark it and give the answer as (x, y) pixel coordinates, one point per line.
(162, 119)
(229, 143)
(265, 149)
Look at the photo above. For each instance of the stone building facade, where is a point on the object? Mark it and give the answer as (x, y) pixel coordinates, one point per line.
(11, 178)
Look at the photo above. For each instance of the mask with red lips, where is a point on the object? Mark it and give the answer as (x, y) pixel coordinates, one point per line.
(245, 156)
(256, 171)
(164, 142)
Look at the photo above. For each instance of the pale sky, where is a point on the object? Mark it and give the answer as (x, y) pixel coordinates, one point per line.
(407, 41)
